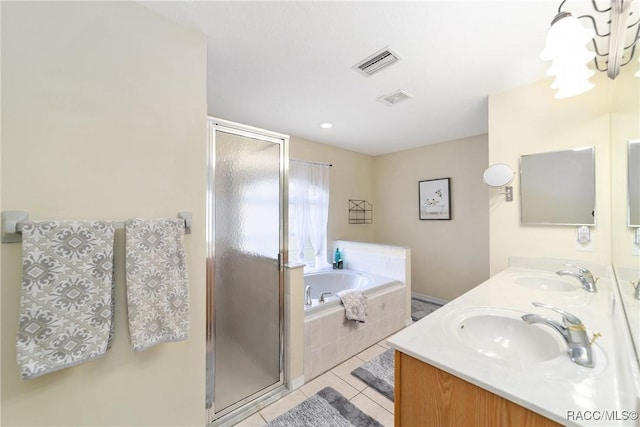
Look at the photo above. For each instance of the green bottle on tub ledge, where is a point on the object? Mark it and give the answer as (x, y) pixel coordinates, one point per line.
(337, 260)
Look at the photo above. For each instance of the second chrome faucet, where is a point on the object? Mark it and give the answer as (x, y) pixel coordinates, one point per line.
(587, 279)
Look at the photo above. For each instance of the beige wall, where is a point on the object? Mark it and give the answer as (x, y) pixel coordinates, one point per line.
(530, 120)
(104, 116)
(351, 178)
(448, 257)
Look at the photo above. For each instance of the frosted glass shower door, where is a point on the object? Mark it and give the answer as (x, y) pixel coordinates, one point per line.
(247, 288)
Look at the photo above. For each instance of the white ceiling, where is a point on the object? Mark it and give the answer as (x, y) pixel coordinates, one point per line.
(286, 66)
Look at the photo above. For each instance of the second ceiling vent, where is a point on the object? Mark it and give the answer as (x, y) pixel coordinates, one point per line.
(395, 97)
(376, 62)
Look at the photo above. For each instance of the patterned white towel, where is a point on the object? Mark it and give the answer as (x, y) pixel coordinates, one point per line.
(355, 305)
(66, 304)
(157, 283)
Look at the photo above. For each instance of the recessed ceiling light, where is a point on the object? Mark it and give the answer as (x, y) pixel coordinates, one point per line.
(326, 125)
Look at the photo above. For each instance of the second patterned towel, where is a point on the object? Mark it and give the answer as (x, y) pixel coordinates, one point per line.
(157, 282)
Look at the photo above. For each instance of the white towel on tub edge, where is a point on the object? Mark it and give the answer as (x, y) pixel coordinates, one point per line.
(355, 305)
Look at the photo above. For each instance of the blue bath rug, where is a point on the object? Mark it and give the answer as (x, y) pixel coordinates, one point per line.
(325, 408)
(378, 373)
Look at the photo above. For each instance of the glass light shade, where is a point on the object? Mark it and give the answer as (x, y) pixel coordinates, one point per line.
(568, 64)
(566, 40)
(565, 36)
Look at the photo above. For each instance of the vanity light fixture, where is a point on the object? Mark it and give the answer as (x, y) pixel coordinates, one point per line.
(613, 47)
(619, 16)
(326, 125)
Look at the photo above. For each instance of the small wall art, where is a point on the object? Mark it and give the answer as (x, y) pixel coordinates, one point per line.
(434, 198)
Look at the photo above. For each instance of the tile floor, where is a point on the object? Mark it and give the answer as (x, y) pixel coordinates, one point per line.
(364, 397)
(360, 394)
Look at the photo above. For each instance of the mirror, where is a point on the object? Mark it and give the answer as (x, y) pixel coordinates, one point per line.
(634, 183)
(626, 263)
(498, 175)
(628, 278)
(558, 188)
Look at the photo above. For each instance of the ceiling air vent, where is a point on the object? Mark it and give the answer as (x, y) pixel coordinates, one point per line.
(395, 97)
(377, 62)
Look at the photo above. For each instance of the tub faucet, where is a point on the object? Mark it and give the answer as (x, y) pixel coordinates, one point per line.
(307, 295)
(586, 278)
(323, 294)
(571, 329)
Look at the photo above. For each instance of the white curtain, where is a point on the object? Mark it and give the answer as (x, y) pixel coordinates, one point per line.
(309, 198)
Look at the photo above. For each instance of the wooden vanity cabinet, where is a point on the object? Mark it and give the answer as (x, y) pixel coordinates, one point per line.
(428, 396)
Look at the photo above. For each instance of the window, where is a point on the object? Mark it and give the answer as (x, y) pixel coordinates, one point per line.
(308, 213)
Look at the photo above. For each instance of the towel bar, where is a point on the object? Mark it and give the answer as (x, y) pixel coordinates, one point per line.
(12, 222)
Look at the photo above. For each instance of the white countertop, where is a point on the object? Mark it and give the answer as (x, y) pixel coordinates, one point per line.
(557, 388)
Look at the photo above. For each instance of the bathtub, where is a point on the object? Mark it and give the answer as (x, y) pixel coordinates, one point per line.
(329, 338)
(334, 281)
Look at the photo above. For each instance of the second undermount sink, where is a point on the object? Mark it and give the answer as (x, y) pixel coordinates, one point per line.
(546, 283)
(502, 334)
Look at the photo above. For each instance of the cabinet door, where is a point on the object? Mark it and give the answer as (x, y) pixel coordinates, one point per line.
(428, 396)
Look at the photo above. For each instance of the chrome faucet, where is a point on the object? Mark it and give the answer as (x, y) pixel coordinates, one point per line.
(307, 295)
(571, 329)
(323, 294)
(587, 279)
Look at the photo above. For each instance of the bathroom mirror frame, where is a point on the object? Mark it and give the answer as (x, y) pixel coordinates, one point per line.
(552, 193)
(633, 183)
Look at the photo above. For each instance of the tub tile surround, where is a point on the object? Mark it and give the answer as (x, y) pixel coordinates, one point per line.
(383, 260)
(294, 318)
(554, 388)
(379, 259)
(330, 339)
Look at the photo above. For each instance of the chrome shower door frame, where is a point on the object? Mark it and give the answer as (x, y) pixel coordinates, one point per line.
(261, 398)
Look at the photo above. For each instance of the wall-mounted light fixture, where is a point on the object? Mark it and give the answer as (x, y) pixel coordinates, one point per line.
(499, 176)
(566, 48)
(613, 33)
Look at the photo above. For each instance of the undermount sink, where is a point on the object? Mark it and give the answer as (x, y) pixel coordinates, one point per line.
(502, 334)
(546, 283)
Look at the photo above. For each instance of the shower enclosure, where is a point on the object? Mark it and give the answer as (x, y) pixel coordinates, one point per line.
(246, 239)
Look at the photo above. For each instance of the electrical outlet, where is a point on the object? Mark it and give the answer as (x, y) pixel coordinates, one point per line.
(583, 239)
